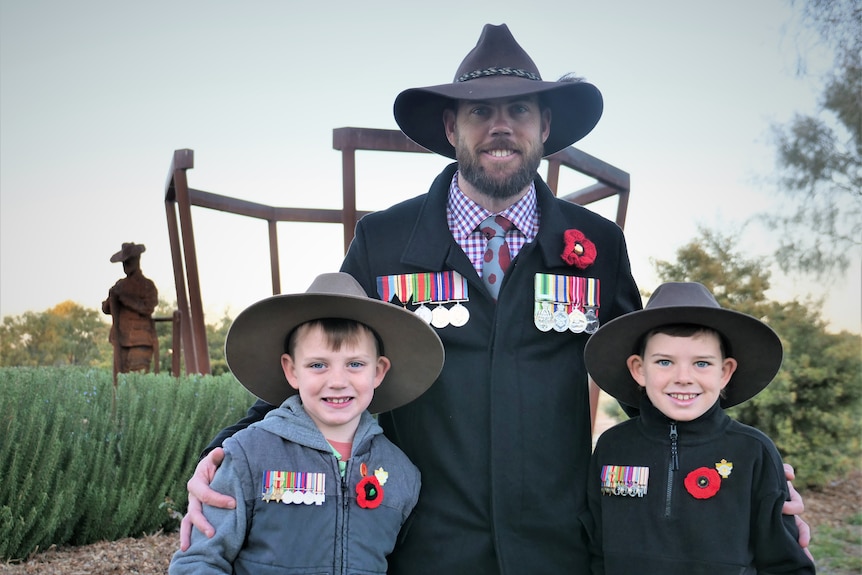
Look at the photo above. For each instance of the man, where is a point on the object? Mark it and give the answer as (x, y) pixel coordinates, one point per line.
(131, 302)
(502, 439)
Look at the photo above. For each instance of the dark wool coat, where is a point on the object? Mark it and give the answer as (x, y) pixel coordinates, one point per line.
(739, 530)
(502, 438)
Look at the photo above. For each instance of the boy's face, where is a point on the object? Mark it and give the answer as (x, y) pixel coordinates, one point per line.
(335, 386)
(683, 376)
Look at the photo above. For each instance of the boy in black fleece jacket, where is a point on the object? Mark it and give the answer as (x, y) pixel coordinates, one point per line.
(683, 488)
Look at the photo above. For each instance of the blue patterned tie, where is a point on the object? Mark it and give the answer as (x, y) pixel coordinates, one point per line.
(497, 258)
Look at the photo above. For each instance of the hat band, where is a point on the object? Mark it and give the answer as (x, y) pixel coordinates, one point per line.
(498, 72)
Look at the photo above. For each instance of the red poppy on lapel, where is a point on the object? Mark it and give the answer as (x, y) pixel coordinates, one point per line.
(369, 493)
(702, 483)
(578, 251)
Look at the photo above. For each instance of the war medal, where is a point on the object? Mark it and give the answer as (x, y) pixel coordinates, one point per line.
(440, 317)
(561, 314)
(459, 315)
(577, 320)
(420, 289)
(423, 312)
(625, 480)
(294, 487)
(543, 317)
(591, 305)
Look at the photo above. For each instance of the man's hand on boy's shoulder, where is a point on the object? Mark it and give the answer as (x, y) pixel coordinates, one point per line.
(200, 493)
(796, 507)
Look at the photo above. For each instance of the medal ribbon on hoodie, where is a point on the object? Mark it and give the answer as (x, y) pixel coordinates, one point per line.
(294, 487)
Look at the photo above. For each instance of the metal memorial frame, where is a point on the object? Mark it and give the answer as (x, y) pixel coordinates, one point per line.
(179, 199)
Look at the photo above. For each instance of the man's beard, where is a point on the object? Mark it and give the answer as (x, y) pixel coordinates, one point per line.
(498, 187)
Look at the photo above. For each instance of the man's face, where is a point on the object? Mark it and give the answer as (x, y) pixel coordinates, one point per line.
(498, 143)
(131, 264)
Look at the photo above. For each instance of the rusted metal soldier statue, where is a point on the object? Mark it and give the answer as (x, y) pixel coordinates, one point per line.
(131, 303)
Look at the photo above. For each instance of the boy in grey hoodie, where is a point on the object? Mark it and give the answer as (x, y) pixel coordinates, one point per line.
(318, 488)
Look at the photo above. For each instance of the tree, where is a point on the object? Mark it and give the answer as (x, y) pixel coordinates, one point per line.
(165, 334)
(737, 283)
(819, 158)
(67, 334)
(812, 408)
(216, 336)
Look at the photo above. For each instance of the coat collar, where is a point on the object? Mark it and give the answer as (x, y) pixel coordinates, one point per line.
(293, 423)
(656, 424)
(431, 230)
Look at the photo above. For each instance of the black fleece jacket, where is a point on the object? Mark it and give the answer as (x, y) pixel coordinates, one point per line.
(738, 530)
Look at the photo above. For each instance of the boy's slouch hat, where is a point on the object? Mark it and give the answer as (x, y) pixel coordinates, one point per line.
(256, 339)
(755, 346)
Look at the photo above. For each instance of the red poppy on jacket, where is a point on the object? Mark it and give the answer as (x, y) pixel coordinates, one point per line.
(578, 251)
(703, 482)
(369, 493)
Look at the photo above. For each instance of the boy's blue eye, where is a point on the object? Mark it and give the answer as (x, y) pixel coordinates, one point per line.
(316, 365)
(702, 364)
(356, 364)
(663, 362)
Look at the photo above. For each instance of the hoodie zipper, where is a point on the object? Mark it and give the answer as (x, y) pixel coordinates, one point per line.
(672, 467)
(345, 503)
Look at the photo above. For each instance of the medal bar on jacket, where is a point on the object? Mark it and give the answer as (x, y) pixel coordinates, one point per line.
(625, 480)
(294, 487)
(438, 288)
(566, 303)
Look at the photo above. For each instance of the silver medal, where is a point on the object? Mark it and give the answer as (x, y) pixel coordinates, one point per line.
(561, 320)
(423, 312)
(458, 315)
(544, 319)
(592, 321)
(440, 317)
(577, 321)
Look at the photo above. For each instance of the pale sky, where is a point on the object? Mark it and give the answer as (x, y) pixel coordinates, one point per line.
(95, 96)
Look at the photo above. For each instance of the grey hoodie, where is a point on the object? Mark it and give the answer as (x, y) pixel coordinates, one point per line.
(337, 536)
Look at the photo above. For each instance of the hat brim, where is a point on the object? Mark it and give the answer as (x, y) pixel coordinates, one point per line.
(755, 346)
(129, 253)
(255, 343)
(576, 108)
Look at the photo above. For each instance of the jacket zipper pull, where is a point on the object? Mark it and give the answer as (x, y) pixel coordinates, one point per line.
(674, 449)
(344, 498)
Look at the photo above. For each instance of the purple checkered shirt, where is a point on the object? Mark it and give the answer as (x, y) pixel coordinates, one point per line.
(464, 216)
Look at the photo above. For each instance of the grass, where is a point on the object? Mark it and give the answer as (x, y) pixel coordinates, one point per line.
(838, 550)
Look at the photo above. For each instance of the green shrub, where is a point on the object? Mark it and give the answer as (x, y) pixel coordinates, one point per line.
(813, 408)
(84, 461)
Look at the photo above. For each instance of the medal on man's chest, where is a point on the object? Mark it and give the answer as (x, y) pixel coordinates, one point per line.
(566, 303)
(431, 292)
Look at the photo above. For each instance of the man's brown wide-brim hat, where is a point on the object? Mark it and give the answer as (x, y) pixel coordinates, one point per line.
(498, 68)
(256, 338)
(755, 346)
(130, 250)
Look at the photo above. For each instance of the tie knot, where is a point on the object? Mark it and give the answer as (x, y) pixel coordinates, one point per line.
(494, 226)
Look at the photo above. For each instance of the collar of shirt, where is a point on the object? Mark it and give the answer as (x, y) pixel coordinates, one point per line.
(464, 216)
